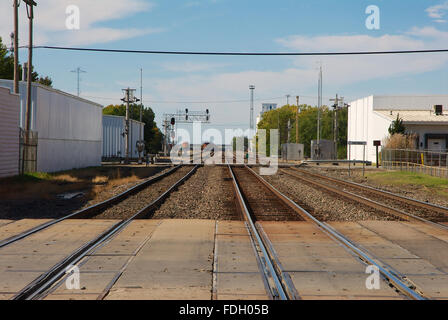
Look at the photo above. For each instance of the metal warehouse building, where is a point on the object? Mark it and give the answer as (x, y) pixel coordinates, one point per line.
(369, 119)
(9, 133)
(114, 140)
(69, 128)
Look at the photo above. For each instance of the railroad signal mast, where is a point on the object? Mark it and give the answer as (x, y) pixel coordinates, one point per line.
(128, 98)
(172, 119)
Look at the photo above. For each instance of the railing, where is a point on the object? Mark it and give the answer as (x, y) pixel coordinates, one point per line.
(422, 161)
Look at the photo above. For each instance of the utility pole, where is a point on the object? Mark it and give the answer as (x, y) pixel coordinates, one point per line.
(128, 98)
(319, 105)
(30, 11)
(16, 46)
(337, 103)
(287, 99)
(141, 143)
(297, 120)
(78, 71)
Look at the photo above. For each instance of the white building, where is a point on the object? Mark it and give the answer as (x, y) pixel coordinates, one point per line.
(9, 133)
(114, 139)
(69, 128)
(265, 107)
(369, 119)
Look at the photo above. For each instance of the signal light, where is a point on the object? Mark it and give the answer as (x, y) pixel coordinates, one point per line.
(173, 121)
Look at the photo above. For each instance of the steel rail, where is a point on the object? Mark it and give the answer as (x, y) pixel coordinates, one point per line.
(384, 193)
(398, 283)
(371, 203)
(280, 291)
(47, 279)
(89, 210)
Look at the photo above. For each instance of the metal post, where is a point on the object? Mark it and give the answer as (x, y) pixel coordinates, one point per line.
(363, 161)
(377, 158)
(141, 115)
(279, 133)
(16, 46)
(349, 158)
(297, 120)
(335, 134)
(319, 90)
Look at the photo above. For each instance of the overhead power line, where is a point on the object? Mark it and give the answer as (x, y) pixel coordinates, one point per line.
(242, 53)
(199, 102)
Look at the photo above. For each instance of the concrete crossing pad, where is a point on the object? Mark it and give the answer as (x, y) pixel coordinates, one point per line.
(176, 264)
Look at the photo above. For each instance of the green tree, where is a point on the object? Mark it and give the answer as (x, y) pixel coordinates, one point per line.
(6, 63)
(153, 136)
(46, 81)
(278, 119)
(397, 126)
(7, 68)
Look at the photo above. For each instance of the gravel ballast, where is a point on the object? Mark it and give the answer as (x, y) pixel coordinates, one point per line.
(411, 191)
(322, 205)
(128, 207)
(208, 194)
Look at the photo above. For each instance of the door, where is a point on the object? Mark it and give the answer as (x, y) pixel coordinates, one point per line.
(437, 144)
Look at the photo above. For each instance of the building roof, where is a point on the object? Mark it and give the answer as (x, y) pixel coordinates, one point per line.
(36, 84)
(415, 116)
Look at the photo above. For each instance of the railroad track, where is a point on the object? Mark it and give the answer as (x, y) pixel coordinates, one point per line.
(384, 201)
(280, 282)
(92, 210)
(37, 287)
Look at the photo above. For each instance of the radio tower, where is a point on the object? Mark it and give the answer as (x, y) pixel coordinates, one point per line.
(252, 88)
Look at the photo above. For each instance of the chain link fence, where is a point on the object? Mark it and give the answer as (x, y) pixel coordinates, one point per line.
(422, 161)
(28, 151)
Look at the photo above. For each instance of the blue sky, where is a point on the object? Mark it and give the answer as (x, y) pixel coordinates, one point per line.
(238, 25)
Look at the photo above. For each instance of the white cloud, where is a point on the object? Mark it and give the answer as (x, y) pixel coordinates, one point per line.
(50, 18)
(189, 66)
(340, 72)
(437, 12)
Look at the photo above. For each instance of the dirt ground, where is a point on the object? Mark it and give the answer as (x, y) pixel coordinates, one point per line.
(42, 195)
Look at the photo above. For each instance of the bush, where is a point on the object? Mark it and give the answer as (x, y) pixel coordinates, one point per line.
(401, 141)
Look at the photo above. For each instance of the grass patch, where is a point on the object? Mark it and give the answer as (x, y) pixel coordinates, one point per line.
(400, 178)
